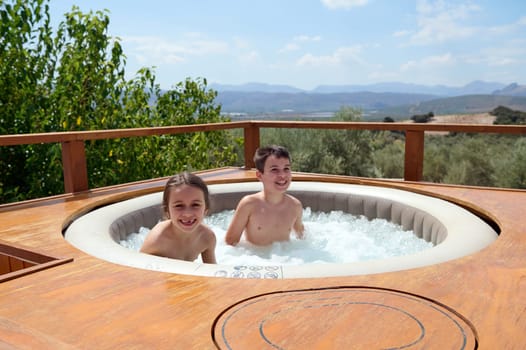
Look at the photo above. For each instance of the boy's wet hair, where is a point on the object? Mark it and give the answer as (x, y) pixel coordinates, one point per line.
(184, 178)
(263, 153)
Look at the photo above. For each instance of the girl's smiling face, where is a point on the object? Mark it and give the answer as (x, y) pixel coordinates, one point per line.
(186, 207)
(277, 174)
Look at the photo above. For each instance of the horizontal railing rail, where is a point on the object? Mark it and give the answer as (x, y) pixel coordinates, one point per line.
(75, 165)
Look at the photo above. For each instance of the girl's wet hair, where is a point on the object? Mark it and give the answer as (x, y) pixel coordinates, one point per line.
(263, 153)
(184, 178)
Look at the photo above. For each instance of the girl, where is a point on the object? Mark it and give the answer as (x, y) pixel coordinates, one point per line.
(182, 234)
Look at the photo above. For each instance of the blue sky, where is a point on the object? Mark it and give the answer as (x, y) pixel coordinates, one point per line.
(306, 43)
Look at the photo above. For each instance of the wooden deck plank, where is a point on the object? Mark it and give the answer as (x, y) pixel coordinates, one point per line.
(89, 303)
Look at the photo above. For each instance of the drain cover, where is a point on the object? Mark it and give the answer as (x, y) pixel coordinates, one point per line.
(342, 318)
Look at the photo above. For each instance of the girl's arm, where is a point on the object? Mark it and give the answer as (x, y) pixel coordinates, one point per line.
(209, 254)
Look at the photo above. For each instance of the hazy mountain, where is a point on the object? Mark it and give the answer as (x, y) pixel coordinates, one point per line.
(466, 104)
(385, 87)
(263, 102)
(398, 100)
(255, 87)
(475, 87)
(513, 89)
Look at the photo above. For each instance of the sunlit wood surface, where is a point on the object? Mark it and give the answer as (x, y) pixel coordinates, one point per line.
(478, 301)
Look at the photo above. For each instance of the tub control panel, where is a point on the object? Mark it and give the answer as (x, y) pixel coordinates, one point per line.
(250, 271)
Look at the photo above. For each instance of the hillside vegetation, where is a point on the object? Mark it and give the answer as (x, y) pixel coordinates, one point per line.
(375, 106)
(459, 105)
(468, 159)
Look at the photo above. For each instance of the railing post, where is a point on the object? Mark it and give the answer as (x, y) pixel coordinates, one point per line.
(74, 166)
(251, 135)
(414, 155)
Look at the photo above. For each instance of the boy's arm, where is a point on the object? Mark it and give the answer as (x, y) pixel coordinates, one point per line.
(298, 224)
(238, 223)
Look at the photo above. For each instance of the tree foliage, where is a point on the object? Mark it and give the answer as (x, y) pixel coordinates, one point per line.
(423, 118)
(505, 115)
(343, 152)
(478, 160)
(73, 78)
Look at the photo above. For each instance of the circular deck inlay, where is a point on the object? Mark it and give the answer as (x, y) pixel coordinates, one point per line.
(340, 318)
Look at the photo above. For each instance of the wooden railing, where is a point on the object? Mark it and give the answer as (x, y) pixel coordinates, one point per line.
(74, 158)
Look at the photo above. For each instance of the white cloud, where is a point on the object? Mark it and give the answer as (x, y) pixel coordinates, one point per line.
(311, 60)
(344, 4)
(509, 28)
(155, 50)
(340, 56)
(382, 76)
(401, 33)
(289, 47)
(428, 63)
(306, 38)
(504, 61)
(512, 53)
(440, 21)
(249, 57)
(241, 43)
(297, 42)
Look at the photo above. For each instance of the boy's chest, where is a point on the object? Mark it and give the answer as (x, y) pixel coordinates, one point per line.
(273, 217)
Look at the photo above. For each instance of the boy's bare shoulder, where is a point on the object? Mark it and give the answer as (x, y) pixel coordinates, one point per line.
(251, 199)
(293, 200)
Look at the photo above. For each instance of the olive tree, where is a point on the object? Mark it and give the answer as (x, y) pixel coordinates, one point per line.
(342, 152)
(73, 78)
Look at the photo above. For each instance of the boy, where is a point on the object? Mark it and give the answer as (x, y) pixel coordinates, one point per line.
(270, 215)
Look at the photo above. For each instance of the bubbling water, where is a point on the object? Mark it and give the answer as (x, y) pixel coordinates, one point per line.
(334, 237)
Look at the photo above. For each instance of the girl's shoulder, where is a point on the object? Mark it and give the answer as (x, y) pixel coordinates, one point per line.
(206, 233)
(160, 227)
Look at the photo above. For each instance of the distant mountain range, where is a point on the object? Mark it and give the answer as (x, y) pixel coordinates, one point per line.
(381, 99)
(474, 88)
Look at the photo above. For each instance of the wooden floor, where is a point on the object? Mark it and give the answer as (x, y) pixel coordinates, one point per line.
(476, 302)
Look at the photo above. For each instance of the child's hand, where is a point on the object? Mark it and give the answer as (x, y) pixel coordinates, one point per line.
(300, 234)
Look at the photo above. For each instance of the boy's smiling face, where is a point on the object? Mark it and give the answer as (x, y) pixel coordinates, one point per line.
(276, 175)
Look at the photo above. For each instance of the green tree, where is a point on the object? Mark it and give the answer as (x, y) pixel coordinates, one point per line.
(505, 115)
(423, 118)
(352, 150)
(510, 162)
(437, 157)
(74, 79)
(343, 152)
(389, 157)
(460, 159)
(517, 177)
(26, 62)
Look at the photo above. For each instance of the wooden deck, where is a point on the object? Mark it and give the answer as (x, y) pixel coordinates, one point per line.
(476, 302)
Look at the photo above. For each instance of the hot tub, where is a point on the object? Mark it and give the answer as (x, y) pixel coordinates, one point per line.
(453, 230)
